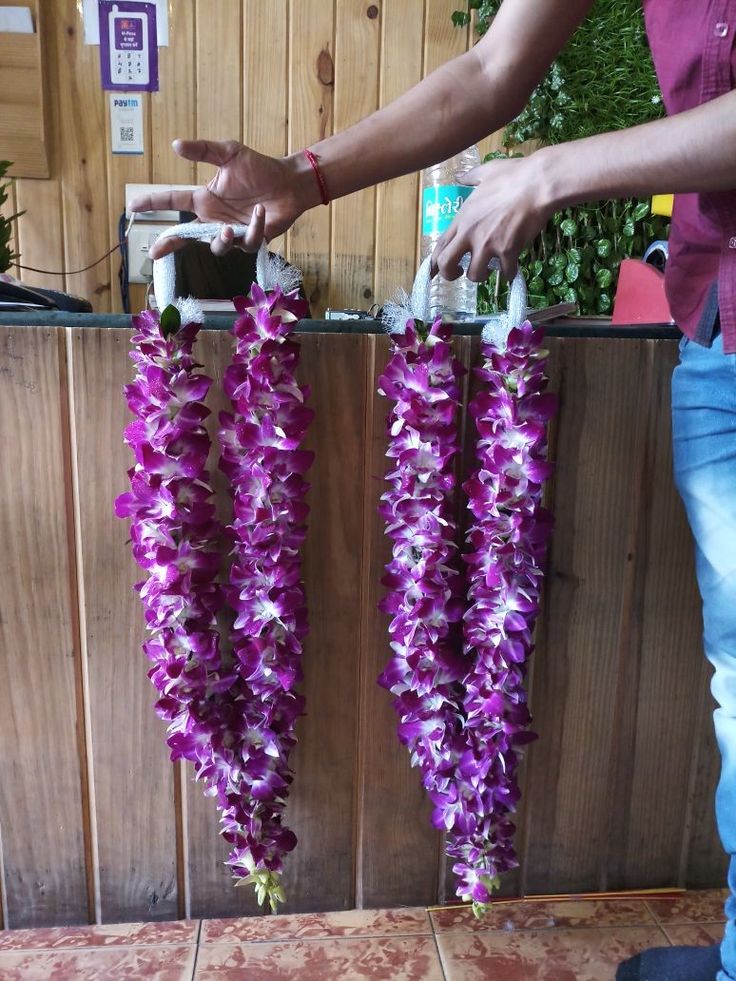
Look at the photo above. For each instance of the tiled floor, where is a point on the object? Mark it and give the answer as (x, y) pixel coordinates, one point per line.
(570, 941)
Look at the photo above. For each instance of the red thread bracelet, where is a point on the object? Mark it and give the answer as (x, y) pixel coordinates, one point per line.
(319, 175)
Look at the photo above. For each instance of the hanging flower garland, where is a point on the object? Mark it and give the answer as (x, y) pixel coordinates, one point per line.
(262, 457)
(464, 718)
(174, 533)
(235, 722)
(507, 543)
(422, 380)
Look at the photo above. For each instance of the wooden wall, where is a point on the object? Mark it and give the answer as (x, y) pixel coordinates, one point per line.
(278, 74)
(97, 825)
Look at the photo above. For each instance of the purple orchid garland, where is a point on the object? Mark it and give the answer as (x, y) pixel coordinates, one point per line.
(507, 543)
(234, 723)
(174, 534)
(465, 717)
(262, 458)
(423, 578)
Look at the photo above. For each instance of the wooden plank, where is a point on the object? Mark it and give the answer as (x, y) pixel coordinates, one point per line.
(173, 107)
(41, 239)
(403, 869)
(357, 64)
(266, 93)
(397, 201)
(320, 873)
(661, 662)
(219, 66)
(602, 417)
(42, 815)
(311, 95)
(40, 230)
(129, 759)
(82, 170)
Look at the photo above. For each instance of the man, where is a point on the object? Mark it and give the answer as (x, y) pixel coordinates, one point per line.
(692, 153)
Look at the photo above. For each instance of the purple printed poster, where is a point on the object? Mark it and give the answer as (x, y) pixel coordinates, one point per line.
(128, 48)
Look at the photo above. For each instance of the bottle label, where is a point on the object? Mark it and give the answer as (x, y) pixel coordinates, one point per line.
(440, 205)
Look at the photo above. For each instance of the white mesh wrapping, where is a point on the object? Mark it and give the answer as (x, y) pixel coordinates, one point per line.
(271, 270)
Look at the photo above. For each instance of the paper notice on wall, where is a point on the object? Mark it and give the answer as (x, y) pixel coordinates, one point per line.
(16, 20)
(126, 122)
(92, 21)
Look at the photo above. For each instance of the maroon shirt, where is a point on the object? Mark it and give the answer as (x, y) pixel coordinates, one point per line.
(694, 53)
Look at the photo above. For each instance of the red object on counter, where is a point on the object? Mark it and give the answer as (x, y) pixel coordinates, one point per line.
(640, 295)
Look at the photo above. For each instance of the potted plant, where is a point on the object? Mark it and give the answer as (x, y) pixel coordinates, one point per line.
(7, 256)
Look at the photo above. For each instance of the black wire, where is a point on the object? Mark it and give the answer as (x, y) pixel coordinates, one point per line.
(123, 272)
(69, 272)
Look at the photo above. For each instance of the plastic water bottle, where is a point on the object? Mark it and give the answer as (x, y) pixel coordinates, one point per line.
(442, 198)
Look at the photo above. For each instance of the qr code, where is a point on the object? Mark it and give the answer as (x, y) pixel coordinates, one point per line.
(126, 134)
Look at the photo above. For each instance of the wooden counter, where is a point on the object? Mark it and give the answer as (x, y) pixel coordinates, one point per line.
(97, 824)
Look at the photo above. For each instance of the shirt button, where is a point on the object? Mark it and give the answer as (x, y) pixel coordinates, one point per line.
(721, 29)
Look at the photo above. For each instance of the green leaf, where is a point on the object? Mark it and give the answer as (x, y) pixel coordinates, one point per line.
(557, 262)
(603, 247)
(641, 211)
(604, 303)
(628, 228)
(604, 278)
(569, 227)
(170, 321)
(570, 296)
(536, 267)
(572, 272)
(555, 279)
(460, 18)
(574, 255)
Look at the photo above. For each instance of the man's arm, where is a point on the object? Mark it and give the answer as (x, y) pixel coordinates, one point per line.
(513, 200)
(466, 99)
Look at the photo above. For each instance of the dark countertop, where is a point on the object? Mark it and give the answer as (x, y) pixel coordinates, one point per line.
(566, 327)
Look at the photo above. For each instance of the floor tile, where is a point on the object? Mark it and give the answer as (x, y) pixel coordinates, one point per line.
(701, 906)
(694, 934)
(304, 926)
(540, 916)
(582, 954)
(120, 964)
(377, 959)
(111, 935)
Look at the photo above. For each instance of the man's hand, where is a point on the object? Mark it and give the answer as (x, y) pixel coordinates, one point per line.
(249, 188)
(507, 209)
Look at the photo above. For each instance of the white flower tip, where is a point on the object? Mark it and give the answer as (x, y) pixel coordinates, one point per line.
(190, 310)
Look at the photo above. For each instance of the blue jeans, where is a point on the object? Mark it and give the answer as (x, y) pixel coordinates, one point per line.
(704, 435)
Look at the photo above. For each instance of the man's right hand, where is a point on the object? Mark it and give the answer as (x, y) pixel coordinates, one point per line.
(267, 193)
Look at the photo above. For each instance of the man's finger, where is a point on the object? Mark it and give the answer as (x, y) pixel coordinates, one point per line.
(448, 259)
(163, 201)
(478, 269)
(254, 236)
(473, 177)
(221, 244)
(216, 152)
(509, 264)
(164, 246)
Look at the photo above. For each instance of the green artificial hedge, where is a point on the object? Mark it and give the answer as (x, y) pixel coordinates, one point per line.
(603, 80)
